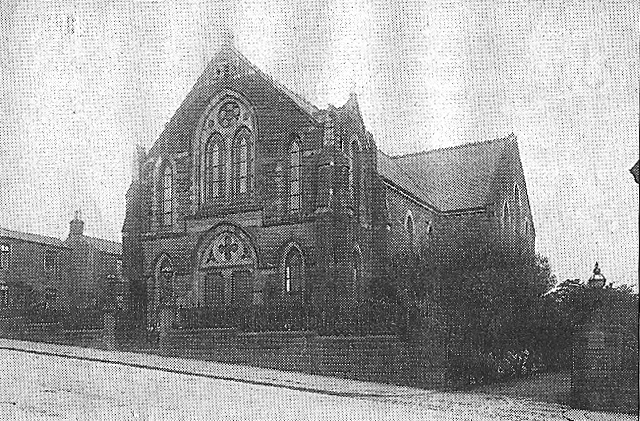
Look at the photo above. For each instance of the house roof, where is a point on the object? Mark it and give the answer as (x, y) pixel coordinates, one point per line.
(449, 179)
(106, 246)
(32, 238)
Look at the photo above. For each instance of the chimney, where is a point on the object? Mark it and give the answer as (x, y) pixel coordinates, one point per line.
(76, 227)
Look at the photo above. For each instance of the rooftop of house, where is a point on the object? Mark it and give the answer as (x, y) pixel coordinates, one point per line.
(32, 238)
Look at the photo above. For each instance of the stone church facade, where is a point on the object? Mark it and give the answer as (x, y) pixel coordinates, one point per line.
(251, 195)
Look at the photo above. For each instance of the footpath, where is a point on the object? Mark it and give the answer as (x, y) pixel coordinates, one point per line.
(498, 407)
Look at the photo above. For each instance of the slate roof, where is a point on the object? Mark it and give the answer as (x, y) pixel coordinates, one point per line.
(106, 246)
(32, 238)
(449, 179)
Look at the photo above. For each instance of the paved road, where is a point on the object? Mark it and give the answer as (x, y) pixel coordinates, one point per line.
(38, 383)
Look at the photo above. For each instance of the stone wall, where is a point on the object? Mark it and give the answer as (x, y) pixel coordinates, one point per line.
(368, 358)
(605, 356)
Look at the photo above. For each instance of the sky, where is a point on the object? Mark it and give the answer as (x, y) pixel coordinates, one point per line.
(83, 81)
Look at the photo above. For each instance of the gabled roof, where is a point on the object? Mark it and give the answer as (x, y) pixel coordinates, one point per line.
(106, 246)
(185, 120)
(32, 238)
(449, 179)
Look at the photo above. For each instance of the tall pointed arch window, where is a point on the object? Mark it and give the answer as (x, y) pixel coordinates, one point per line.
(293, 273)
(409, 226)
(167, 195)
(295, 167)
(242, 162)
(213, 167)
(505, 215)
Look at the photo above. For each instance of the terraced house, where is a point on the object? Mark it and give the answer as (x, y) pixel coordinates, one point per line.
(251, 195)
(41, 276)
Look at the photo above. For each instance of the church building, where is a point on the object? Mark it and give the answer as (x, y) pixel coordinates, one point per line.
(251, 195)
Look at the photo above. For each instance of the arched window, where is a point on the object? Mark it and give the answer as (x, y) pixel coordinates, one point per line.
(505, 215)
(213, 167)
(167, 195)
(242, 161)
(408, 225)
(293, 273)
(295, 166)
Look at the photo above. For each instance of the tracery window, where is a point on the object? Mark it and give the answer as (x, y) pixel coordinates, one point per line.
(295, 165)
(293, 273)
(167, 195)
(213, 167)
(225, 152)
(242, 161)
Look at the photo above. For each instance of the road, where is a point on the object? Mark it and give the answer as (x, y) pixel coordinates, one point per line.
(45, 386)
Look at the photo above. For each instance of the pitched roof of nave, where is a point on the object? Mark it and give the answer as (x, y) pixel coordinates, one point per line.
(32, 238)
(450, 179)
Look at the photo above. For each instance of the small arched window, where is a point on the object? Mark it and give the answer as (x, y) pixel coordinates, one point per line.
(295, 166)
(167, 195)
(213, 167)
(293, 273)
(242, 162)
(409, 226)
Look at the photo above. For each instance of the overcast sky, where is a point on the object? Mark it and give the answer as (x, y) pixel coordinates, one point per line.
(83, 81)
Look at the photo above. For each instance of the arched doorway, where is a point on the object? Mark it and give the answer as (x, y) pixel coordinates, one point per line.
(226, 267)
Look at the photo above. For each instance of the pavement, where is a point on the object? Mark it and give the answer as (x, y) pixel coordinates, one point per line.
(38, 378)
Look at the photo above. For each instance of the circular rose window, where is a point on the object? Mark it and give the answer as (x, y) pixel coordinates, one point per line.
(228, 114)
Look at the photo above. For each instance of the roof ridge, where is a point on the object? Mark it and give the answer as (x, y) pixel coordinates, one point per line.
(295, 96)
(462, 145)
(30, 233)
